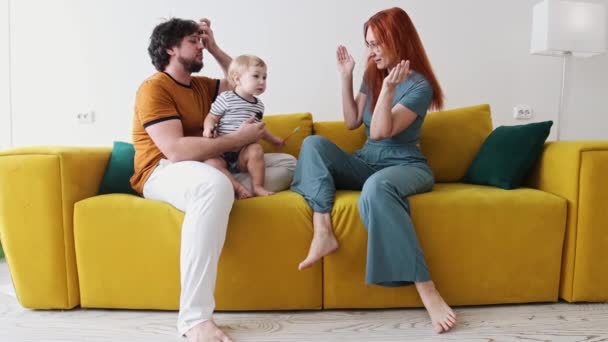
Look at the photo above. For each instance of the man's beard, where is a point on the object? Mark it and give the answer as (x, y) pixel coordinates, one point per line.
(190, 65)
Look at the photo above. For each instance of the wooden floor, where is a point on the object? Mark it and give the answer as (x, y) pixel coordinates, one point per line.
(539, 322)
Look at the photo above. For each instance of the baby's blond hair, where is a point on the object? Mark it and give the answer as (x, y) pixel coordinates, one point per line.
(240, 64)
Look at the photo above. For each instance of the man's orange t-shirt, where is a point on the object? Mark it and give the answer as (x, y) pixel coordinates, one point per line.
(162, 98)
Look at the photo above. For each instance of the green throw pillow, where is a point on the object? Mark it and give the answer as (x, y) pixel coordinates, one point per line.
(508, 154)
(119, 170)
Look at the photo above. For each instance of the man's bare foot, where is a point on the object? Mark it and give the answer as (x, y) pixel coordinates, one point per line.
(259, 190)
(241, 192)
(442, 316)
(207, 332)
(323, 242)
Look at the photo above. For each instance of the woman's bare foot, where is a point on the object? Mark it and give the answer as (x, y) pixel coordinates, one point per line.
(241, 191)
(207, 332)
(442, 316)
(259, 190)
(323, 242)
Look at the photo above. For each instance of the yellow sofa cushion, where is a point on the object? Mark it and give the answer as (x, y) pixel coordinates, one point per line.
(128, 254)
(483, 245)
(283, 125)
(450, 140)
(336, 131)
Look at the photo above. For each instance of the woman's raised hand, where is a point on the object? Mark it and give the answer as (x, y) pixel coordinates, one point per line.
(398, 74)
(346, 63)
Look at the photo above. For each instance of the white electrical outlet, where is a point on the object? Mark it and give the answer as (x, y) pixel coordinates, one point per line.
(86, 117)
(522, 112)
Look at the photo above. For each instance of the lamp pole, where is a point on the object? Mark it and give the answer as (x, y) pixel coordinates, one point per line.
(10, 80)
(560, 108)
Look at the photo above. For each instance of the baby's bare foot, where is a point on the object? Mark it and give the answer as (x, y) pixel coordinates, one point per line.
(242, 192)
(259, 190)
(442, 316)
(207, 332)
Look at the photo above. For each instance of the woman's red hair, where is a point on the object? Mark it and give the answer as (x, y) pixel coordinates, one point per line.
(399, 40)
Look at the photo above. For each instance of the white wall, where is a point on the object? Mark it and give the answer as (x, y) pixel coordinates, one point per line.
(5, 122)
(70, 56)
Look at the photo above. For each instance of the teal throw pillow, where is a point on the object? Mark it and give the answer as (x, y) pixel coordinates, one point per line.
(507, 155)
(119, 170)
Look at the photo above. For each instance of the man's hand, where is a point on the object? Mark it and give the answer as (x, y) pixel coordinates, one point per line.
(207, 34)
(250, 131)
(209, 43)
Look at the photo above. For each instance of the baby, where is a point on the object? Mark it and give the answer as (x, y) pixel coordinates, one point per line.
(231, 108)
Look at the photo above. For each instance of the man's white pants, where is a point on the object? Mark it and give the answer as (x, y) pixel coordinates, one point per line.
(206, 196)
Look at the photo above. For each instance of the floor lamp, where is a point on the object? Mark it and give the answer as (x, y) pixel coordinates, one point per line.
(565, 29)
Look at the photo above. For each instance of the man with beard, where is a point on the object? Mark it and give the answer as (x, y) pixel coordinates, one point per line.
(170, 109)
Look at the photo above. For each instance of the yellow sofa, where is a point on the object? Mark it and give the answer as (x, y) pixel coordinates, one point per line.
(66, 246)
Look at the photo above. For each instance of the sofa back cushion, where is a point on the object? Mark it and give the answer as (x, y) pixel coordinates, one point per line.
(450, 140)
(284, 125)
(336, 132)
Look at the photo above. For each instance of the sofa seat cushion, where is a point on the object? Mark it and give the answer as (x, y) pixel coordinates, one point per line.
(127, 251)
(483, 245)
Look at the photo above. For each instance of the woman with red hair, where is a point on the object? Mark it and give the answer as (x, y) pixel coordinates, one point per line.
(398, 88)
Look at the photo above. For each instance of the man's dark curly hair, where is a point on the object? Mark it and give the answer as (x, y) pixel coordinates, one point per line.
(166, 36)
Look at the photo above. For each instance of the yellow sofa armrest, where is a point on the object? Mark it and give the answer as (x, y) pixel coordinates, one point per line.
(38, 189)
(577, 171)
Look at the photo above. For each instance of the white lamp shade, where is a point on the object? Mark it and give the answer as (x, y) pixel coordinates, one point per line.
(560, 27)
